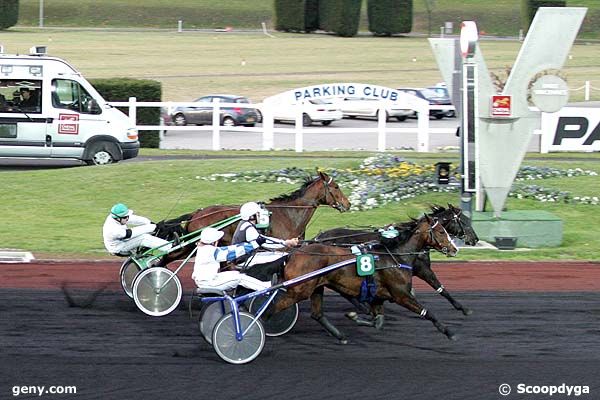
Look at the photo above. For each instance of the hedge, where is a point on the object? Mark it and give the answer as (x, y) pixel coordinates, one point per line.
(9, 13)
(121, 89)
(289, 15)
(340, 16)
(387, 17)
(311, 15)
(530, 7)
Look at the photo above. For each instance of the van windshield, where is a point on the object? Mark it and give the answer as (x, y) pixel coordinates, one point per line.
(20, 96)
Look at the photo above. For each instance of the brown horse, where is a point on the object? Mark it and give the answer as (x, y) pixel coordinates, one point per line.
(393, 279)
(290, 213)
(455, 222)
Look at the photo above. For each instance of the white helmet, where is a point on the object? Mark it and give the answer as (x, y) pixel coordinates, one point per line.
(210, 235)
(249, 209)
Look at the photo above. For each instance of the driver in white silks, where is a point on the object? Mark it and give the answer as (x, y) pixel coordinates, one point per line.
(247, 231)
(120, 239)
(206, 273)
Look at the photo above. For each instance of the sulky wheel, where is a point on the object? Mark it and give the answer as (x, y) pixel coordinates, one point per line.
(152, 296)
(277, 324)
(235, 351)
(128, 272)
(209, 316)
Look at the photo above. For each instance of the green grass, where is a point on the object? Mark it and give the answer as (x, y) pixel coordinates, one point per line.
(501, 17)
(60, 212)
(193, 64)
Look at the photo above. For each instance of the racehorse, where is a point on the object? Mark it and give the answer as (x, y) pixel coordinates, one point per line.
(290, 213)
(454, 221)
(393, 279)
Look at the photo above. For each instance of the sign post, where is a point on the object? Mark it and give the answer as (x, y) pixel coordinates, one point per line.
(468, 123)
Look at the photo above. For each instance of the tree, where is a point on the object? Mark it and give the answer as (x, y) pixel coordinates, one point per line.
(9, 13)
(429, 6)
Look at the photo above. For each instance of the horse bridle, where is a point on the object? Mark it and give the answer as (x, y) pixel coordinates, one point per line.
(433, 239)
(456, 218)
(336, 204)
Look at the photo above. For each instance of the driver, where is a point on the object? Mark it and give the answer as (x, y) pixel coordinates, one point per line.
(246, 231)
(120, 239)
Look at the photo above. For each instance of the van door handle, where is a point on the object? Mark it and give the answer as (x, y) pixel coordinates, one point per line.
(48, 140)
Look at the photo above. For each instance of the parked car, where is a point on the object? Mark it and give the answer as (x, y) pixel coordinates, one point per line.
(202, 113)
(442, 91)
(315, 110)
(353, 107)
(432, 97)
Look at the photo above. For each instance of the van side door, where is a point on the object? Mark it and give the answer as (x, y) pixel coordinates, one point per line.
(77, 117)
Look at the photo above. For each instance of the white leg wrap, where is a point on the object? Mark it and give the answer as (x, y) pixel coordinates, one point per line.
(440, 289)
(423, 312)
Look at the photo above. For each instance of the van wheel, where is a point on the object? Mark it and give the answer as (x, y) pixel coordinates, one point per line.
(100, 154)
(326, 123)
(401, 118)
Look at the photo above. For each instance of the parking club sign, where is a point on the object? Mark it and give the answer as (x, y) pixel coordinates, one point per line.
(501, 106)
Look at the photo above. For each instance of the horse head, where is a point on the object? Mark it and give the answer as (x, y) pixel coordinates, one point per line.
(332, 195)
(436, 236)
(456, 223)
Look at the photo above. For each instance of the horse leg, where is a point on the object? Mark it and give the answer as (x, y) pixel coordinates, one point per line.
(429, 276)
(376, 322)
(409, 302)
(316, 304)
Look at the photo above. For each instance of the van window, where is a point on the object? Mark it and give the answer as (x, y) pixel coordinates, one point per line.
(20, 96)
(70, 95)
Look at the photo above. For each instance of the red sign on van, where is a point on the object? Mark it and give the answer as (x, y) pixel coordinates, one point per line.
(501, 106)
(68, 129)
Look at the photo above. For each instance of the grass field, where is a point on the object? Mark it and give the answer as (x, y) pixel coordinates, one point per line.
(61, 211)
(193, 64)
(501, 17)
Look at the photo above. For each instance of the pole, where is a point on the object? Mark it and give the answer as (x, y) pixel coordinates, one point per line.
(41, 13)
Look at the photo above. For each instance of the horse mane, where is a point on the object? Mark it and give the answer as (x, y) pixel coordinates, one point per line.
(296, 194)
(436, 210)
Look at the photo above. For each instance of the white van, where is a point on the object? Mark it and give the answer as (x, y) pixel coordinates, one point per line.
(47, 109)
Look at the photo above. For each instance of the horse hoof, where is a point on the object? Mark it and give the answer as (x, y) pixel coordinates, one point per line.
(467, 311)
(452, 336)
(343, 341)
(352, 315)
(379, 322)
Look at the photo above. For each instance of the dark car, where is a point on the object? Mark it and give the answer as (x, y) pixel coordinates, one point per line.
(433, 98)
(202, 113)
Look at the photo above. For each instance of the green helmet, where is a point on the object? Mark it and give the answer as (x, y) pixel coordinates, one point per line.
(119, 210)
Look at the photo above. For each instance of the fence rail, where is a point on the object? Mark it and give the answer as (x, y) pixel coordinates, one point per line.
(268, 128)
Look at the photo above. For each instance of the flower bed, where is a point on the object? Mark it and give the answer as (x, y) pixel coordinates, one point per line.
(386, 178)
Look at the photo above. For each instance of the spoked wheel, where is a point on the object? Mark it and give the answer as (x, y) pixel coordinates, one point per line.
(152, 296)
(236, 351)
(210, 315)
(278, 324)
(128, 272)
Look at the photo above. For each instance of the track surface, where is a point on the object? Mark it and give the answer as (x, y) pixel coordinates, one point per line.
(536, 324)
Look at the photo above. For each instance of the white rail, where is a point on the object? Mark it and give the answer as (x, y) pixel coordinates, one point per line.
(268, 129)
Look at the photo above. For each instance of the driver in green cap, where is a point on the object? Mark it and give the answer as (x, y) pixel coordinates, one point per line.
(121, 239)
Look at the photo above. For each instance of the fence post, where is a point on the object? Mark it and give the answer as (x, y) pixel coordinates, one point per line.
(381, 120)
(267, 122)
(216, 121)
(133, 111)
(423, 129)
(587, 90)
(180, 26)
(298, 140)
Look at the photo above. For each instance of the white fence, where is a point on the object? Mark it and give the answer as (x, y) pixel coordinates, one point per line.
(269, 130)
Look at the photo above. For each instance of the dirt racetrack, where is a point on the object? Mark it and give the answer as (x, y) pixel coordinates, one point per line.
(533, 324)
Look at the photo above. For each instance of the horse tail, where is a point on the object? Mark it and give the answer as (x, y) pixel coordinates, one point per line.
(166, 228)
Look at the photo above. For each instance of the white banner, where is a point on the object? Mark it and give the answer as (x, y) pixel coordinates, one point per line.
(571, 129)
